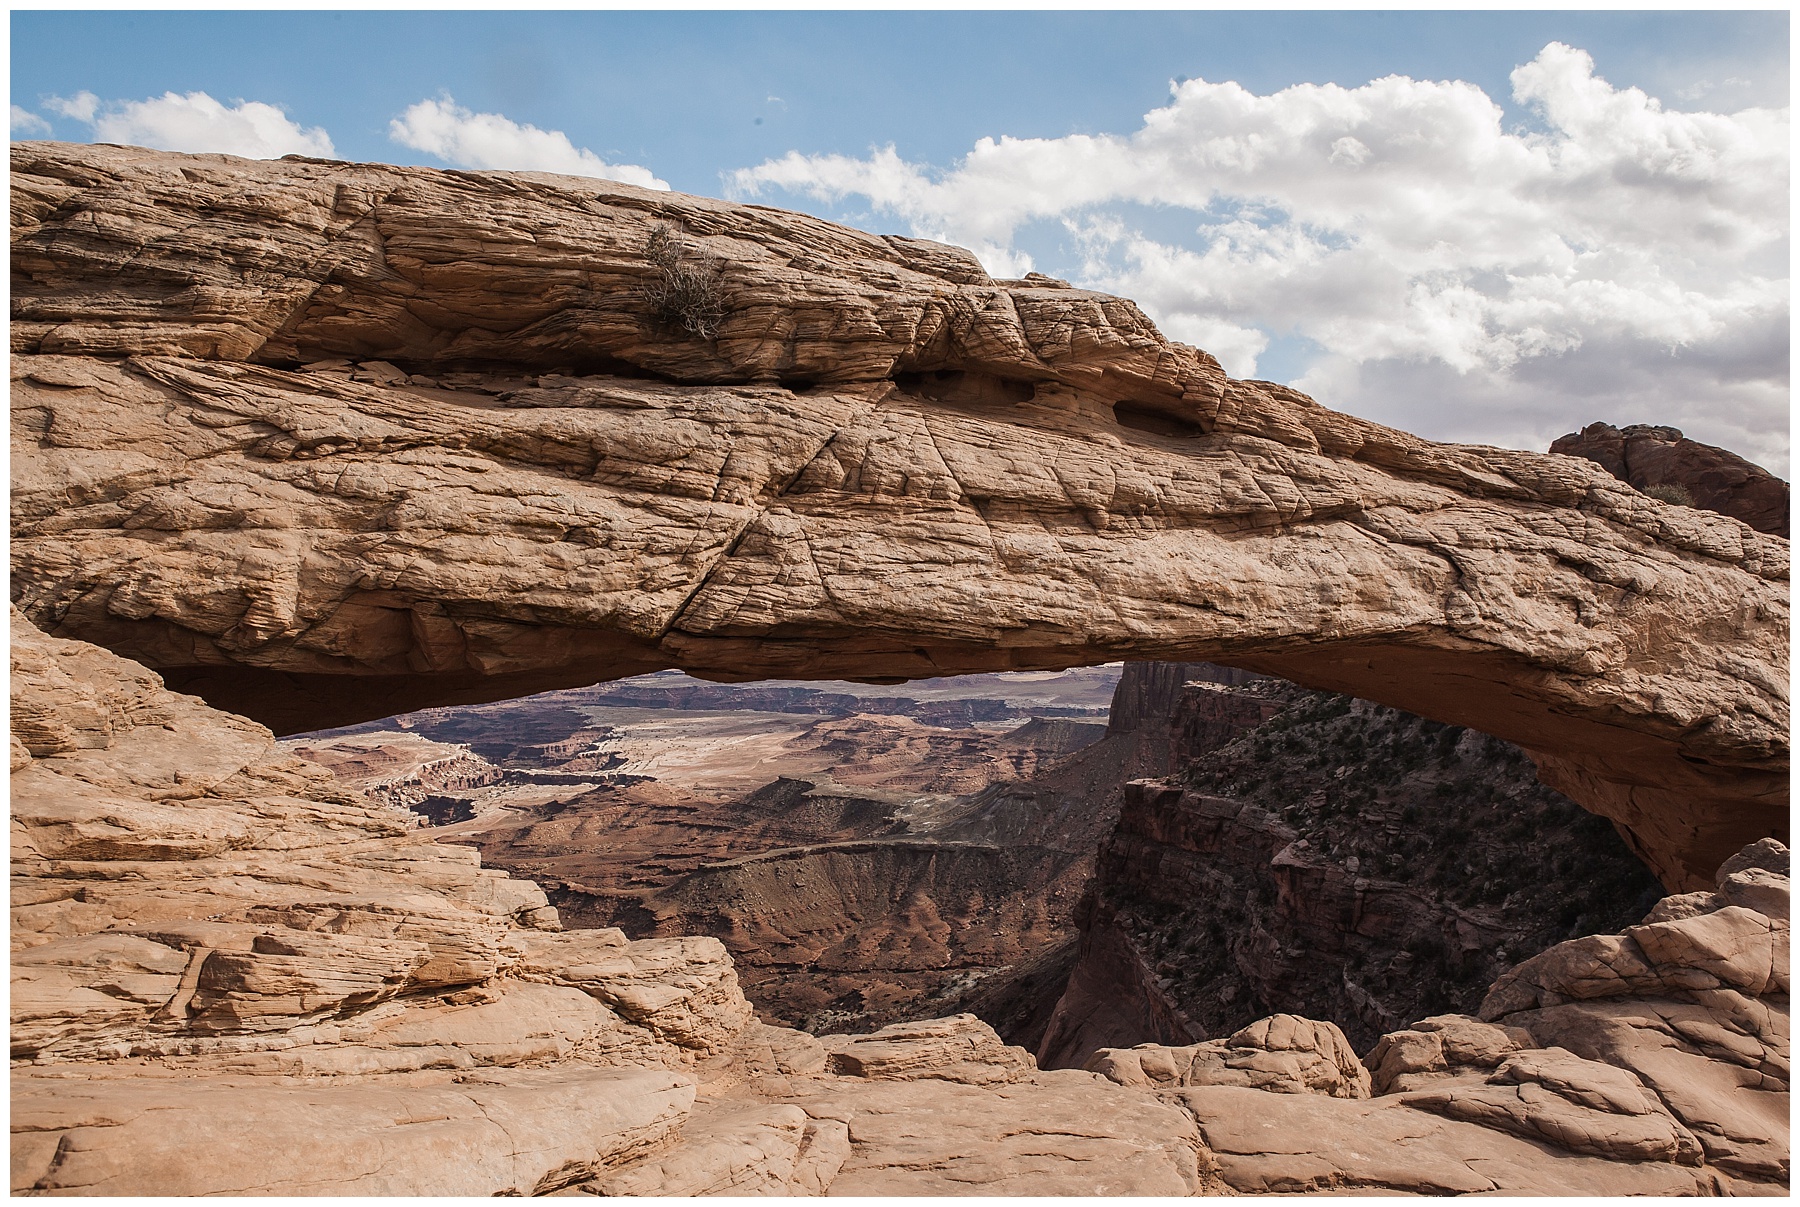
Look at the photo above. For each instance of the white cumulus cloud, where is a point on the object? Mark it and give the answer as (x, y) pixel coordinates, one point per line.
(1466, 279)
(26, 124)
(496, 143)
(194, 122)
(81, 106)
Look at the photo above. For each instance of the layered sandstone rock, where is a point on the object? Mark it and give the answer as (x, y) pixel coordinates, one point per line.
(959, 1048)
(1648, 1062)
(1283, 1053)
(231, 977)
(852, 891)
(1694, 1008)
(1717, 479)
(325, 441)
(513, 1132)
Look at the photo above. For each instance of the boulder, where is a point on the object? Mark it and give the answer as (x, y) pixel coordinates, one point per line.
(1445, 1045)
(684, 990)
(959, 1048)
(1285, 1054)
(1653, 457)
(1694, 1008)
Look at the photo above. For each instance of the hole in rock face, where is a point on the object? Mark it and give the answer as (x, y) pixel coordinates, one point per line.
(968, 387)
(876, 852)
(1142, 418)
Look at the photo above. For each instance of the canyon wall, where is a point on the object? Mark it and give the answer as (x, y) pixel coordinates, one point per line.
(1316, 855)
(324, 442)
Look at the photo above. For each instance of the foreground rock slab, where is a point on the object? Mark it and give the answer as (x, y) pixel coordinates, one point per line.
(1304, 1144)
(508, 1132)
(1694, 1008)
(1058, 1133)
(326, 441)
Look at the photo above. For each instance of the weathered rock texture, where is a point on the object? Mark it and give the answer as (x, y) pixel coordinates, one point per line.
(326, 441)
(1692, 1006)
(1283, 1053)
(232, 977)
(1717, 479)
(1654, 1061)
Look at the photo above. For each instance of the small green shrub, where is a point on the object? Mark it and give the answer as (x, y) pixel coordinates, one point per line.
(1671, 492)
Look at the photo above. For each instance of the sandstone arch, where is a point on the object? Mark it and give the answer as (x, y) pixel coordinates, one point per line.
(321, 441)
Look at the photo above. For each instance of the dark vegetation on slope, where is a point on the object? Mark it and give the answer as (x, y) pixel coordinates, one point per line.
(1343, 861)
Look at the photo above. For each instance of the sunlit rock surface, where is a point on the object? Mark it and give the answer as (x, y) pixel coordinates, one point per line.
(326, 441)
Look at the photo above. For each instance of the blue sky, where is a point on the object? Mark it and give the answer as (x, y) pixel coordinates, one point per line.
(1281, 269)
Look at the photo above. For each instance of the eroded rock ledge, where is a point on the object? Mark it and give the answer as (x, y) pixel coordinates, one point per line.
(230, 977)
(324, 441)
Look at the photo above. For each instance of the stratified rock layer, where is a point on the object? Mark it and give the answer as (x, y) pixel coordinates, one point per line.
(1714, 478)
(230, 977)
(325, 441)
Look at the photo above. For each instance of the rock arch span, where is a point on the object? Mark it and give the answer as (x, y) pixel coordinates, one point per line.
(323, 441)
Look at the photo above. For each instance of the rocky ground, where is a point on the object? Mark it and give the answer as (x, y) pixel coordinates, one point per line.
(231, 976)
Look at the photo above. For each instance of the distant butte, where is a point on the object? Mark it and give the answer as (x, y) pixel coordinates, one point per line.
(322, 441)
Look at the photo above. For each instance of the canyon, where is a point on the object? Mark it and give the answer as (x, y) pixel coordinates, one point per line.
(1321, 856)
(232, 976)
(302, 444)
(823, 832)
(863, 868)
